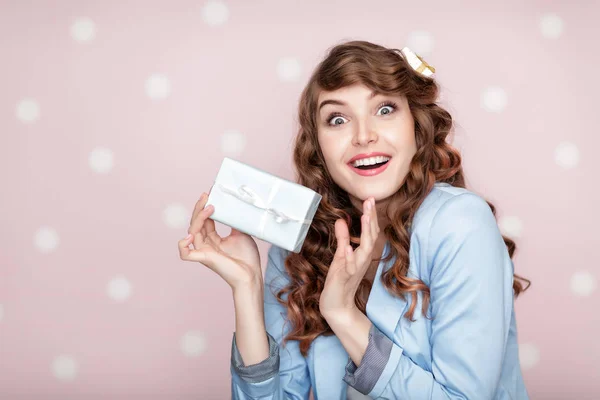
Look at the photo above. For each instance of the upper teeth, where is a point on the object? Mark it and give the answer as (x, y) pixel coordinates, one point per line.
(370, 161)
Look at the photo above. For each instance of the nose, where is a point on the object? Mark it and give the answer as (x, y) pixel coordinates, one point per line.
(364, 134)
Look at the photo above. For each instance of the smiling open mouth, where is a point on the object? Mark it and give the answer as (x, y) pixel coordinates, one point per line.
(370, 170)
(365, 167)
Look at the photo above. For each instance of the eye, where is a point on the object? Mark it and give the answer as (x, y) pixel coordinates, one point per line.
(390, 105)
(335, 116)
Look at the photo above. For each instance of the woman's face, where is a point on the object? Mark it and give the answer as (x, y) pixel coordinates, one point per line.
(351, 122)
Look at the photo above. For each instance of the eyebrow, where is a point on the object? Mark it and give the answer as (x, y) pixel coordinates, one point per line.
(341, 103)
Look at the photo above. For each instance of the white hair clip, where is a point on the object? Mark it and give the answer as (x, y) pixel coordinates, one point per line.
(417, 63)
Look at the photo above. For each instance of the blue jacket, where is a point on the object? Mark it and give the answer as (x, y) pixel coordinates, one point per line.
(468, 351)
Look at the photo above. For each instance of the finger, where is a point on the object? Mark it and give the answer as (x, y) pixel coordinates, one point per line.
(197, 230)
(235, 232)
(197, 209)
(199, 206)
(351, 267)
(374, 222)
(368, 222)
(209, 224)
(185, 253)
(342, 236)
(206, 256)
(366, 240)
(183, 246)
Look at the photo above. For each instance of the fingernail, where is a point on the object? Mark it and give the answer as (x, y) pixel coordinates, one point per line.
(188, 237)
(369, 205)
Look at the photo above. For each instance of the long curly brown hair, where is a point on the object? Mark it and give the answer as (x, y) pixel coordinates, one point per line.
(384, 70)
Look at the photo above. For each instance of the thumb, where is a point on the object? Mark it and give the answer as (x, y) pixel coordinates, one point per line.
(206, 256)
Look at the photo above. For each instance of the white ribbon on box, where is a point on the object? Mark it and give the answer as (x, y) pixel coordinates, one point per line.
(247, 195)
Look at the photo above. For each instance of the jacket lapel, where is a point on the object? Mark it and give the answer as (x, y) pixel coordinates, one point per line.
(330, 359)
(383, 309)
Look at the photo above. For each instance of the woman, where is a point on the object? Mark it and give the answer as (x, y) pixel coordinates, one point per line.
(404, 286)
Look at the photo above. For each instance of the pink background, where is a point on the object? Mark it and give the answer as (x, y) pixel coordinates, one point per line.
(115, 116)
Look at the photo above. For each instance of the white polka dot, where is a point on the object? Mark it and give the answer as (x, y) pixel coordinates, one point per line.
(176, 216)
(64, 368)
(1, 312)
(529, 355)
(511, 226)
(233, 142)
(583, 283)
(288, 69)
(83, 30)
(551, 26)
(158, 86)
(420, 42)
(566, 155)
(119, 288)
(193, 343)
(46, 239)
(215, 13)
(28, 110)
(493, 99)
(101, 160)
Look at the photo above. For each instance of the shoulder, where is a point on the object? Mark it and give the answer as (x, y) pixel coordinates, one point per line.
(449, 208)
(452, 218)
(456, 224)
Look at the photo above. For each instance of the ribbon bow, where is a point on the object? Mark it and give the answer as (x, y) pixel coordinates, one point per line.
(247, 195)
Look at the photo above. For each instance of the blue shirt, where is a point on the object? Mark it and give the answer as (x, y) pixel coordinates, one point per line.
(469, 350)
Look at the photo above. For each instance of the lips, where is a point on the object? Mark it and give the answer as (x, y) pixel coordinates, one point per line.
(370, 172)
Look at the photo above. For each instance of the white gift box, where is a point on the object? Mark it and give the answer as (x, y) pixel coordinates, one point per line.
(263, 205)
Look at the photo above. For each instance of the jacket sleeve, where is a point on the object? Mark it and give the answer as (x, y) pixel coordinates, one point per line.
(284, 374)
(471, 305)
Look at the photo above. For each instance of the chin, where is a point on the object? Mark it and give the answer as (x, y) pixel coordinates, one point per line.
(378, 195)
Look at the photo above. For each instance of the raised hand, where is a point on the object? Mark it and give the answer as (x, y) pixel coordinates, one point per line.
(349, 266)
(235, 258)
